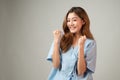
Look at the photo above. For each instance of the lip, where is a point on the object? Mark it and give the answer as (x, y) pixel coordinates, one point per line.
(72, 28)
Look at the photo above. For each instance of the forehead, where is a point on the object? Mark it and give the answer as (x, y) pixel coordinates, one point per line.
(72, 15)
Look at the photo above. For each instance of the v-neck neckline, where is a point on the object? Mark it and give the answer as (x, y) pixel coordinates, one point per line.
(73, 47)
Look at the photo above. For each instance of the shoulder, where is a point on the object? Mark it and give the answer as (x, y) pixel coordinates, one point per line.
(89, 43)
(90, 48)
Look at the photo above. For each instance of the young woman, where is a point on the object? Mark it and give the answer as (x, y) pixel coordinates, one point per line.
(73, 53)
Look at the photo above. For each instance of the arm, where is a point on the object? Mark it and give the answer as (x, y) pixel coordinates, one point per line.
(56, 54)
(81, 63)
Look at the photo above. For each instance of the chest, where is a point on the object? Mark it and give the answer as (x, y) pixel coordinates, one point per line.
(69, 58)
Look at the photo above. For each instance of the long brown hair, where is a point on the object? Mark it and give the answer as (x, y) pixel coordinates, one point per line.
(67, 38)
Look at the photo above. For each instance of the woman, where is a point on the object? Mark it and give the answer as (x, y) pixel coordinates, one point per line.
(73, 54)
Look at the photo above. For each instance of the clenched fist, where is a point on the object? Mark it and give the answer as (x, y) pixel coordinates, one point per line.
(57, 35)
(81, 41)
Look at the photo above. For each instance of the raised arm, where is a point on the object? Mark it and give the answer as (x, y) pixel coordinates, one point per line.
(56, 53)
(81, 63)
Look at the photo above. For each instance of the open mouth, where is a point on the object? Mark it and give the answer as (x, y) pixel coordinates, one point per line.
(72, 28)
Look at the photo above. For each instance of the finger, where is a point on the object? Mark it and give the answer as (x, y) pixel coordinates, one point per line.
(80, 39)
(54, 32)
(84, 36)
(57, 32)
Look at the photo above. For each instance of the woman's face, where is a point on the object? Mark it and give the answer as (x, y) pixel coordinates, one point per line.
(74, 23)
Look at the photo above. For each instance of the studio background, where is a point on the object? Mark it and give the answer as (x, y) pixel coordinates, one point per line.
(26, 34)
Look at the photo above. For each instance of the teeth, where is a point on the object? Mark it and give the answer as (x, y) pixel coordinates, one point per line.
(73, 27)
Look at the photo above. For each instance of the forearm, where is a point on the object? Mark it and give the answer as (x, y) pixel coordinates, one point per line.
(56, 55)
(81, 64)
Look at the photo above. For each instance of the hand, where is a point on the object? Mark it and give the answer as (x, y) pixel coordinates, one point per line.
(81, 41)
(57, 35)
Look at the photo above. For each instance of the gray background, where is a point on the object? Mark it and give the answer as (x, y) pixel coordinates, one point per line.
(26, 34)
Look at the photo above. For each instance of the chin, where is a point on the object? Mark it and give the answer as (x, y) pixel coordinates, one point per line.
(73, 32)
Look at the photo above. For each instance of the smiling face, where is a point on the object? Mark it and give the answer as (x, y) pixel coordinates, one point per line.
(74, 23)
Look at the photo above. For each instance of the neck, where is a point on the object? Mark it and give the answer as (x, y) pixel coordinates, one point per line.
(75, 38)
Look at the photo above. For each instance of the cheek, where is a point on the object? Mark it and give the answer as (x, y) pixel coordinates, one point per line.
(68, 24)
(79, 26)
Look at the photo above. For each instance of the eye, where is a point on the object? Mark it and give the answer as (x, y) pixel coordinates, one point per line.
(74, 20)
(68, 20)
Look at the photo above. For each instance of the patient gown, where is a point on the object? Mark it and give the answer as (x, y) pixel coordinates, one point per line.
(68, 65)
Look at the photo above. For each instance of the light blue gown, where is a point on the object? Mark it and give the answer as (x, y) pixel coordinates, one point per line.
(67, 70)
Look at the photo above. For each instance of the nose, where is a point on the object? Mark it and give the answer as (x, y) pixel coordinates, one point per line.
(71, 23)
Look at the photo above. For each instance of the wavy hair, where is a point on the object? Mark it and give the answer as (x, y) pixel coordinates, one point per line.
(67, 38)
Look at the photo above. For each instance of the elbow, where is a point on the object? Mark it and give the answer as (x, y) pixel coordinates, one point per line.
(81, 72)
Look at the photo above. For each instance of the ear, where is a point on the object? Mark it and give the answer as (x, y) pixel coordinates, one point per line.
(83, 22)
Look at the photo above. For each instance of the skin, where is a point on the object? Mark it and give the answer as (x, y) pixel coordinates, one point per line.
(56, 54)
(74, 24)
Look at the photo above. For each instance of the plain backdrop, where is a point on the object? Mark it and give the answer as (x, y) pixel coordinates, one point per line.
(26, 34)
